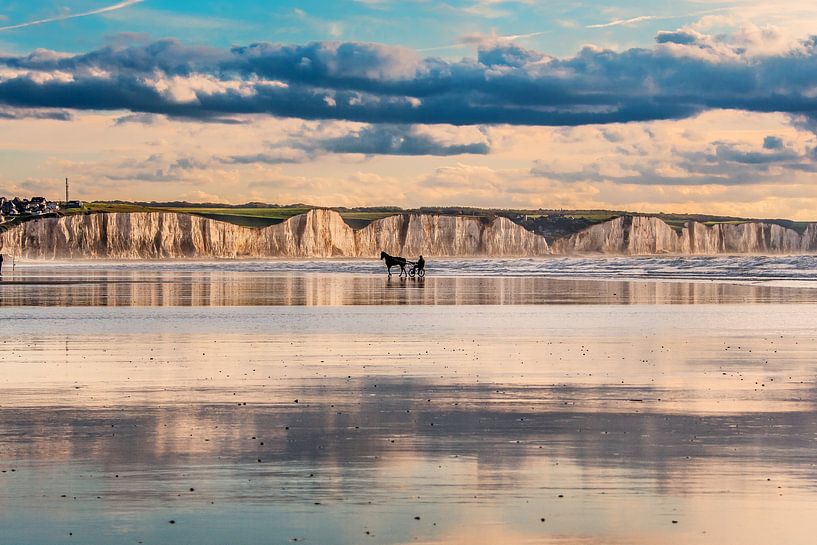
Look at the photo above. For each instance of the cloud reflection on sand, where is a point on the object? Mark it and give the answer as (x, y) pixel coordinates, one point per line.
(609, 414)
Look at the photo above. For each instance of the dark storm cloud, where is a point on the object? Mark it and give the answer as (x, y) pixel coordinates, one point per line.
(142, 119)
(168, 56)
(269, 158)
(773, 142)
(683, 37)
(767, 156)
(396, 140)
(507, 55)
(22, 113)
(370, 140)
(679, 77)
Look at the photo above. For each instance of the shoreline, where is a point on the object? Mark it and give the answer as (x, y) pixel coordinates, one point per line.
(793, 271)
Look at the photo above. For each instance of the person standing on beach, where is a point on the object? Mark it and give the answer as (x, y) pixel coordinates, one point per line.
(1, 263)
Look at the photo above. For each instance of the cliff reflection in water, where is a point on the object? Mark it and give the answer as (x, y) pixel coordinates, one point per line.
(268, 406)
(100, 287)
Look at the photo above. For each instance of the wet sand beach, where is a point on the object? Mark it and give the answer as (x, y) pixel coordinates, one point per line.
(327, 404)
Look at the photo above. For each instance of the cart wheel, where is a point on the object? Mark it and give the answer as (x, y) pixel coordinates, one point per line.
(421, 273)
(412, 272)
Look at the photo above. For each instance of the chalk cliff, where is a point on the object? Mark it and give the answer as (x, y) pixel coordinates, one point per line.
(318, 233)
(643, 235)
(323, 233)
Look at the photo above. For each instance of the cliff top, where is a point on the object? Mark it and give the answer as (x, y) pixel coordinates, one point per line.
(550, 223)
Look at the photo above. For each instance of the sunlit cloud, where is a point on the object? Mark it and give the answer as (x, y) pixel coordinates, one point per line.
(684, 74)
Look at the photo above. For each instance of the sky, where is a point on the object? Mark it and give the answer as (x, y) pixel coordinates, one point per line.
(687, 106)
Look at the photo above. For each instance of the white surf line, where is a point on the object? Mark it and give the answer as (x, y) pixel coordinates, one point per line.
(120, 5)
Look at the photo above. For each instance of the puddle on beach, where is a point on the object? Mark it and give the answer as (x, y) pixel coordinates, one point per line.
(256, 406)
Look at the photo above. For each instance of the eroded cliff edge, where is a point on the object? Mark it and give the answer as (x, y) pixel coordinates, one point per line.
(318, 233)
(323, 233)
(644, 235)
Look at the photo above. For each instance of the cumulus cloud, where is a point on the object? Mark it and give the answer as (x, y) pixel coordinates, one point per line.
(157, 168)
(719, 163)
(680, 76)
(507, 54)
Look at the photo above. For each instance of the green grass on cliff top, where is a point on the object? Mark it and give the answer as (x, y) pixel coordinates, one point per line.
(247, 217)
(258, 216)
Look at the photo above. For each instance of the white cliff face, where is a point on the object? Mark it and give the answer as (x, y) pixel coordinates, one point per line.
(323, 233)
(318, 233)
(640, 235)
(429, 235)
(636, 235)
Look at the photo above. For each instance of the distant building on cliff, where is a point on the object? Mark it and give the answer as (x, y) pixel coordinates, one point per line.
(35, 206)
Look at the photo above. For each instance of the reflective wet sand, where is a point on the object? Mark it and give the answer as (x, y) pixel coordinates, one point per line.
(270, 407)
(205, 286)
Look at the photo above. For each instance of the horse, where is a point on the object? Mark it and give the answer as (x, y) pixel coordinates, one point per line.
(392, 261)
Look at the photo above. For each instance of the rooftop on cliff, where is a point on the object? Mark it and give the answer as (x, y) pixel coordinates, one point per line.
(550, 223)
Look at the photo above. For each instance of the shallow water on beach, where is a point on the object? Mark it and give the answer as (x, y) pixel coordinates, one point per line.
(269, 402)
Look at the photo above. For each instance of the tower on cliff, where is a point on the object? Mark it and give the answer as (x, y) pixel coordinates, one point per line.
(66, 190)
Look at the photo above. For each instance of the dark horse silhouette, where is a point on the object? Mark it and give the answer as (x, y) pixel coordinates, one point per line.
(394, 261)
